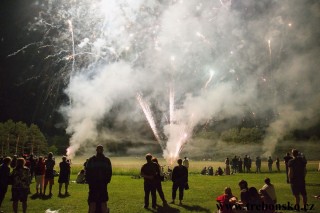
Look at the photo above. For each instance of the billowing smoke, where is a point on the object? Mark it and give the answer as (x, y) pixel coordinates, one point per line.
(189, 60)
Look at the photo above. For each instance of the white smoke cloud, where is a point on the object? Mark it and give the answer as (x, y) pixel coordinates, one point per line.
(261, 52)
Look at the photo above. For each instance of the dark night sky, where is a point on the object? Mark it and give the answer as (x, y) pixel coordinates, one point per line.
(23, 79)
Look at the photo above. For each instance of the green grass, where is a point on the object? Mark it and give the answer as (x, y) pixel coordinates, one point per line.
(126, 194)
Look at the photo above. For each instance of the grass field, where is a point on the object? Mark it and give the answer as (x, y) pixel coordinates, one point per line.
(126, 193)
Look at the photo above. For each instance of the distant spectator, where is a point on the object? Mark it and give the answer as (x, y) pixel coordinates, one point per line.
(234, 164)
(245, 164)
(278, 164)
(240, 163)
(204, 171)
(287, 158)
(227, 170)
(210, 170)
(32, 161)
(14, 161)
(270, 162)
(20, 185)
(258, 164)
(219, 171)
(4, 178)
(249, 164)
(297, 174)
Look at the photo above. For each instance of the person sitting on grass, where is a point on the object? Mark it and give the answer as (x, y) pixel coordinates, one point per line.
(210, 170)
(255, 201)
(204, 171)
(244, 193)
(226, 201)
(81, 177)
(219, 171)
(268, 192)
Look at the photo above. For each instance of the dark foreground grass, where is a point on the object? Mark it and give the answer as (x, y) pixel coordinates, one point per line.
(126, 194)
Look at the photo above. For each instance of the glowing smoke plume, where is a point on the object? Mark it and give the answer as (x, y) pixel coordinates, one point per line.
(116, 49)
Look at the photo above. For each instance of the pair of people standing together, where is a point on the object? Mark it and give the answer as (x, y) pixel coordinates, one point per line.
(152, 181)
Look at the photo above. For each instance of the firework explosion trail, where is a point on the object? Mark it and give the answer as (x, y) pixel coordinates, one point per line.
(147, 112)
(73, 48)
(270, 52)
(209, 80)
(171, 104)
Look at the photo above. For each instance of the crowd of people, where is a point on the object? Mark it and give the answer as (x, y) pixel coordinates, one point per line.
(239, 165)
(251, 199)
(265, 200)
(97, 172)
(24, 170)
(151, 173)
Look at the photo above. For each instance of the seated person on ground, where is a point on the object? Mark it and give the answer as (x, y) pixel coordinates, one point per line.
(204, 171)
(227, 200)
(81, 177)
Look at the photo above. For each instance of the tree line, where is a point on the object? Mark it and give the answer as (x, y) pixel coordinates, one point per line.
(17, 138)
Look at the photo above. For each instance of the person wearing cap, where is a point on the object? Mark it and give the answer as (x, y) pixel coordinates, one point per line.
(98, 175)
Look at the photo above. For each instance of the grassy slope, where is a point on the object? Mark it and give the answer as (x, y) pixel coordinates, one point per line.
(126, 193)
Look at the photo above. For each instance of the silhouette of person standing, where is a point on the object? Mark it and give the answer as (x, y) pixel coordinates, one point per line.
(270, 162)
(180, 180)
(149, 172)
(297, 174)
(98, 175)
(4, 178)
(287, 158)
(159, 178)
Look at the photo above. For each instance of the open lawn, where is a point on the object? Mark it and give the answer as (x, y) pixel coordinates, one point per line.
(126, 193)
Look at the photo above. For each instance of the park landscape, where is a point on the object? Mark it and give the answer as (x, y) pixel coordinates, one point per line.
(206, 79)
(126, 190)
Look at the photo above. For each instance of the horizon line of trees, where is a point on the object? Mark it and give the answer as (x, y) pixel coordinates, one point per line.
(17, 138)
